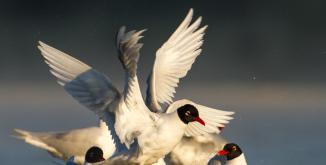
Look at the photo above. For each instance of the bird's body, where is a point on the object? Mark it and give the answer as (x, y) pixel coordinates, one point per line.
(161, 134)
(159, 139)
(197, 150)
(240, 160)
(70, 143)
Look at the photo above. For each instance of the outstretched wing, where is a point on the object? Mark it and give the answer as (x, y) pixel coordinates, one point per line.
(173, 60)
(213, 118)
(136, 115)
(88, 86)
(128, 48)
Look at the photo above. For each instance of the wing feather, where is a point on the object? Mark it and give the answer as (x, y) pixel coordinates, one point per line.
(88, 86)
(173, 60)
(128, 47)
(137, 112)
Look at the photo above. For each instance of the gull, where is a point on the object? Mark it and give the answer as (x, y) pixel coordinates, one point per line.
(74, 142)
(153, 130)
(234, 154)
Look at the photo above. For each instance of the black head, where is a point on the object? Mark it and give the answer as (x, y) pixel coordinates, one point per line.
(189, 113)
(231, 151)
(94, 155)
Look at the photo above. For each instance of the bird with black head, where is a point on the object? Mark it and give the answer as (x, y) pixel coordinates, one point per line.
(234, 154)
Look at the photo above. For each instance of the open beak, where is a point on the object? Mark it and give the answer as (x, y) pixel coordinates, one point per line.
(222, 152)
(199, 120)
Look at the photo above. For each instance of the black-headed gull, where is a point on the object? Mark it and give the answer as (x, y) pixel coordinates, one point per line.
(70, 143)
(126, 114)
(94, 156)
(234, 154)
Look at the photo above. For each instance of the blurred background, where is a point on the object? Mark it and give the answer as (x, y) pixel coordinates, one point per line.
(265, 60)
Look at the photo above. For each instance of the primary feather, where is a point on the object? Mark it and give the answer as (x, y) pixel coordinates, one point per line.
(173, 60)
(86, 85)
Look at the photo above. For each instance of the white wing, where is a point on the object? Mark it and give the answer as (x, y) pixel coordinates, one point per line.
(173, 60)
(88, 86)
(136, 115)
(128, 48)
(213, 118)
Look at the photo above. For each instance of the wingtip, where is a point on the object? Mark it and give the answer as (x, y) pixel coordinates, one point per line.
(190, 13)
(230, 116)
(17, 136)
(231, 113)
(121, 34)
(205, 27)
(143, 30)
(40, 48)
(140, 32)
(41, 43)
(122, 29)
(191, 10)
(17, 130)
(17, 133)
(197, 22)
(200, 18)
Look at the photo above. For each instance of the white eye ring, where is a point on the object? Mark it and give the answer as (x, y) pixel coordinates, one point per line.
(187, 113)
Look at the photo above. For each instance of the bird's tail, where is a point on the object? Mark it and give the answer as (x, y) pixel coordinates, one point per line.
(32, 139)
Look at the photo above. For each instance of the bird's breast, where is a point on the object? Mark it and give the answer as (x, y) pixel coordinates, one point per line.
(159, 139)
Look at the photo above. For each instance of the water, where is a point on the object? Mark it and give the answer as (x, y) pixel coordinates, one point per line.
(274, 124)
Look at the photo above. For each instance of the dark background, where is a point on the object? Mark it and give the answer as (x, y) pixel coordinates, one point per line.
(265, 60)
(279, 41)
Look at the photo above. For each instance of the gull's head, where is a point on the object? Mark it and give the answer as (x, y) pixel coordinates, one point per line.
(231, 151)
(189, 113)
(94, 155)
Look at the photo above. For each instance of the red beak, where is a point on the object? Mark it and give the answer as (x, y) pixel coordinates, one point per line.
(222, 152)
(199, 120)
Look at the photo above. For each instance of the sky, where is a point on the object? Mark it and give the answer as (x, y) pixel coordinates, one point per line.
(264, 60)
(268, 41)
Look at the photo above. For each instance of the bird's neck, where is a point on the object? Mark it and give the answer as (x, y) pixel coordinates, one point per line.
(240, 160)
(102, 124)
(177, 120)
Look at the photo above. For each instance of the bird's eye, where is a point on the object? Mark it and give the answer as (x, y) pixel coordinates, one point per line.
(187, 113)
(234, 148)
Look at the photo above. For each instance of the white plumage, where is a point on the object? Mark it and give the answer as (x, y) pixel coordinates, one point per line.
(174, 59)
(198, 150)
(241, 160)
